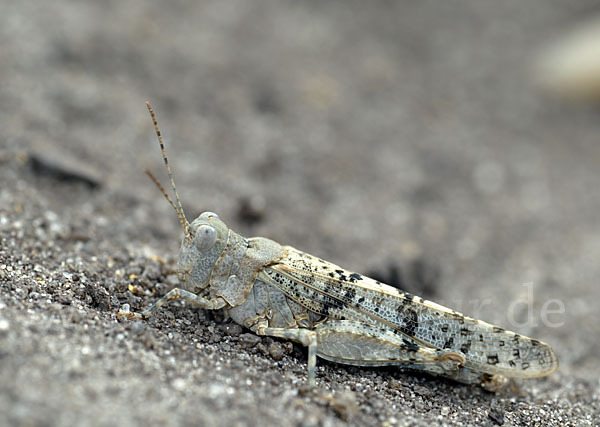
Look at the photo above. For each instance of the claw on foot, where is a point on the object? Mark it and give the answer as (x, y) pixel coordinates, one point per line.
(125, 313)
(129, 315)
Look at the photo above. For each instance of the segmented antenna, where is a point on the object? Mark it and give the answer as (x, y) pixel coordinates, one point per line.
(179, 208)
(162, 190)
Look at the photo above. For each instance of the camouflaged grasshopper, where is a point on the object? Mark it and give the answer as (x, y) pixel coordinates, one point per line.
(339, 315)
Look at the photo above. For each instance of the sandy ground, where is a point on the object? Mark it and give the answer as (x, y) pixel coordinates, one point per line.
(405, 139)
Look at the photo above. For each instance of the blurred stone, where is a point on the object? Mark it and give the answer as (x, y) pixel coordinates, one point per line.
(570, 66)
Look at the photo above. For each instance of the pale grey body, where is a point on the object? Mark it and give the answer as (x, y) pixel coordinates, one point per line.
(343, 316)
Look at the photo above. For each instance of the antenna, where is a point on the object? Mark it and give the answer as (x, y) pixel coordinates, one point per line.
(179, 208)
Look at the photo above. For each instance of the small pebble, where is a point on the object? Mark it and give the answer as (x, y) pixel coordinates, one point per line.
(496, 415)
(276, 351)
(4, 326)
(344, 405)
(249, 340)
(75, 316)
(138, 327)
(232, 329)
(421, 391)
(394, 384)
(419, 405)
(172, 280)
(179, 384)
(64, 299)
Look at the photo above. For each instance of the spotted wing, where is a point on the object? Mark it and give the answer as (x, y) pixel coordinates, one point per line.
(331, 291)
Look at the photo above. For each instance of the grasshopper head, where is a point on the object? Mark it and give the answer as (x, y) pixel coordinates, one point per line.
(204, 241)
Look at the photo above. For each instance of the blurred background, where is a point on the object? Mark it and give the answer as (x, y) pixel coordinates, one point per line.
(452, 148)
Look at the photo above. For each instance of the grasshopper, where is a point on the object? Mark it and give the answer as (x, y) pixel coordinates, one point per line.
(341, 316)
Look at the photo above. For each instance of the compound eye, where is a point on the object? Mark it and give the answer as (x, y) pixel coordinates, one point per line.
(206, 236)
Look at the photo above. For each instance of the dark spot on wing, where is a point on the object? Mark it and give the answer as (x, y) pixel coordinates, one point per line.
(354, 277)
(341, 275)
(409, 345)
(493, 359)
(350, 295)
(409, 319)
